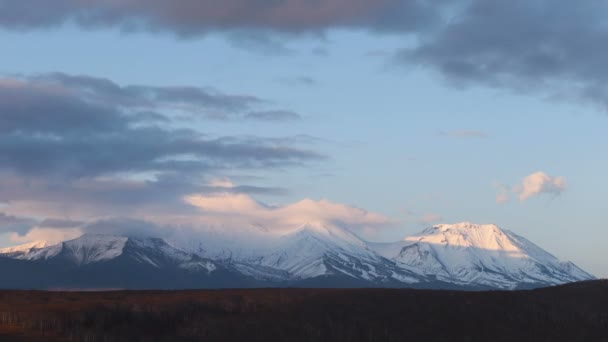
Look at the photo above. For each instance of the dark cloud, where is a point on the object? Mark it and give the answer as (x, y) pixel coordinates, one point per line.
(10, 223)
(94, 197)
(274, 115)
(193, 100)
(127, 227)
(59, 125)
(77, 146)
(196, 17)
(60, 223)
(551, 46)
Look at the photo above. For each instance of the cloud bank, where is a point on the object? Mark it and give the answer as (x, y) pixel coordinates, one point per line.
(80, 147)
(243, 207)
(553, 48)
(196, 17)
(232, 213)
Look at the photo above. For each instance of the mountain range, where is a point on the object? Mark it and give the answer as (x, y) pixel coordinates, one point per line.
(450, 256)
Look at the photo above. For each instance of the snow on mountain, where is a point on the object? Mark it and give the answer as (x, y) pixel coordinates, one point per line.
(158, 252)
(87, 249)
(95, 248)
(311, 250)
(472, 254)
(464, 254)
(91, 248)
(19, 251)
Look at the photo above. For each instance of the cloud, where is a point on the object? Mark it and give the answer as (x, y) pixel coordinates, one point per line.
(60, 223)
(299, 81)
(83, 148)
(232, 213)
(503, 195)
(189, 18)
(143, 101)
(551, 47)
(126, 227)
(464, 134)
(536, 184)
(540, 183)
(241, 209)
(430, 218)
(22, 230)
(10, 223)
(274, 115)
(50, 235)
(224, 183)
(88, 199)
(76, 126)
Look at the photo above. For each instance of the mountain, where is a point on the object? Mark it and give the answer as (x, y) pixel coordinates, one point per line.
(322, 252)
(484, 255)
(107, 261)
(316, 254)
(21, 250)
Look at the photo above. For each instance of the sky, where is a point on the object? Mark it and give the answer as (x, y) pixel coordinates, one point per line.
(385, 116)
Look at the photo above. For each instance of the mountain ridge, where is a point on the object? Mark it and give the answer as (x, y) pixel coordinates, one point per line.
(463, 255)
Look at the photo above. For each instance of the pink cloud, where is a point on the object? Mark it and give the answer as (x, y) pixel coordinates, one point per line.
(540, 183)
(430, 218)
(242, 209)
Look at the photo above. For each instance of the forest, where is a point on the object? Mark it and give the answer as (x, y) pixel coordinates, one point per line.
(575, 312)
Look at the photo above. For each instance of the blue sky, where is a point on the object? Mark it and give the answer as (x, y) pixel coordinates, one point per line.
(403, 139)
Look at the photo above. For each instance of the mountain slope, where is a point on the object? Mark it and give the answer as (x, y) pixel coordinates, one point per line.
(313, 250)
(107, 261)
(22, 250)
(459, 256)
(471, 254)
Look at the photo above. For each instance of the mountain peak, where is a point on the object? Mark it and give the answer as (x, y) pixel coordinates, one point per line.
(484, 254)
(466, 226)
(463, 254)
(469, 235)
(25, 248)
(90, 248)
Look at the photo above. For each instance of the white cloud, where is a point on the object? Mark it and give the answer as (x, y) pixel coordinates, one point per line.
(49, 235)
(536, 184)
(540, 183)
(228, 209)
(234, 213)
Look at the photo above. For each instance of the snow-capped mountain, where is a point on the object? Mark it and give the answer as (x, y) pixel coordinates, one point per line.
(320, 250)
(314, 250)
(108, 261)
(97, 248)
(485, 255)
(22, 250)
(464, 255)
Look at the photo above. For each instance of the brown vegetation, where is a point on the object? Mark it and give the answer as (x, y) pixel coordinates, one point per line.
(577, 312)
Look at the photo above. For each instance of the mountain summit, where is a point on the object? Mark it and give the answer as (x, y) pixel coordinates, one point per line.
(21, 250)
(473, 254)
(463, 256)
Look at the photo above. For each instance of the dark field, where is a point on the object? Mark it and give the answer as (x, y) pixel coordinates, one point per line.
(577, 312)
